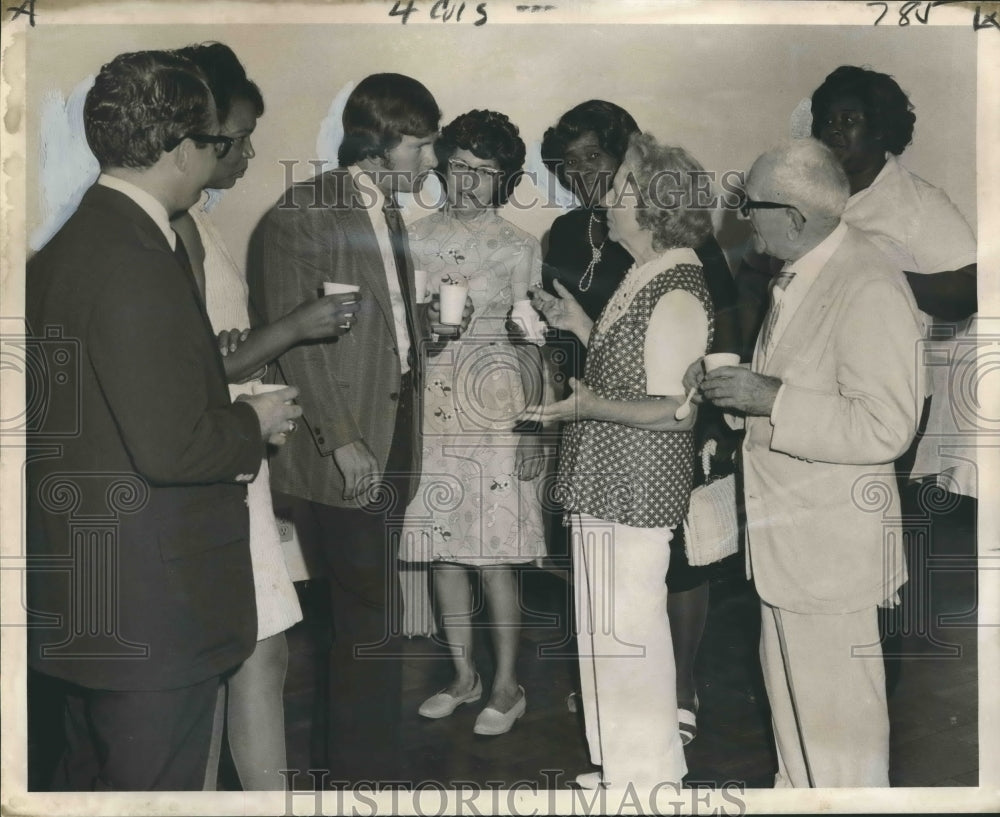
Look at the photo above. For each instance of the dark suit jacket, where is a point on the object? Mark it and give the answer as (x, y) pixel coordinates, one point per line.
(139, 573)
(348, 386)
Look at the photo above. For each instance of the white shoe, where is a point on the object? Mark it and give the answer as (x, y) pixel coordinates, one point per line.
(442, 704)
(589, 780)
(494, 722)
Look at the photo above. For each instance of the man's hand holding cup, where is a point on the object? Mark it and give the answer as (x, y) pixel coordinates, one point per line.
(276, 412)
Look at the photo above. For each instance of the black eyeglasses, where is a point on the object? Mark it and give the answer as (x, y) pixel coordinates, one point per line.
(747, 204)
(220, 144)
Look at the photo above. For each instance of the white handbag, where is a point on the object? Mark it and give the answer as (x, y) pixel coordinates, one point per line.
(711, 530)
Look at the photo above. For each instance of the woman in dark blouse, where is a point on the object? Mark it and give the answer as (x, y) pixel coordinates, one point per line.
(584, 151)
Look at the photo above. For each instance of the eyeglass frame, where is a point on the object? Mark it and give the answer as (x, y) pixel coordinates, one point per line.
(494, 174)
(207, 138)
(747, 204)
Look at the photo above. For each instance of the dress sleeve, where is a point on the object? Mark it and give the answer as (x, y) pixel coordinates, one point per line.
(940, 239)
(555, 255)
(675, 338)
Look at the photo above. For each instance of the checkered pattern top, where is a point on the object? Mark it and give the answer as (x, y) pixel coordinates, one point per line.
(616, 472)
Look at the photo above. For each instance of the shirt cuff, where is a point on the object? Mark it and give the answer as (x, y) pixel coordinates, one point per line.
(777, 402)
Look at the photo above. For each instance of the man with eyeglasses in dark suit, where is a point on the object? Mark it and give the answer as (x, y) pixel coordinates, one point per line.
(139, 580)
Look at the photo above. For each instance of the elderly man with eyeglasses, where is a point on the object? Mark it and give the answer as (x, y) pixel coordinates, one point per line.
(829, 401)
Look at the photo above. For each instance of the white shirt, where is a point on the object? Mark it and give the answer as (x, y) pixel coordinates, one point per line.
(675, 338)
(373, 201)
(677, 327)
(806, 269)
(913, 222)
(918, 227)
(148, 203)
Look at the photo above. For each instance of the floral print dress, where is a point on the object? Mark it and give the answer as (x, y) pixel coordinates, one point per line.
(470, 505)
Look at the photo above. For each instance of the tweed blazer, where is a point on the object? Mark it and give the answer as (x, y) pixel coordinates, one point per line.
(348, 386)
(139, 574)
(823, 524)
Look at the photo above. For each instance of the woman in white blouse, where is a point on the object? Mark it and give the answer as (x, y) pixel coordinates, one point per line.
(626, 463)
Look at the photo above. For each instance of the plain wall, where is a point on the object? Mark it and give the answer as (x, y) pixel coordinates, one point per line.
(726, 93)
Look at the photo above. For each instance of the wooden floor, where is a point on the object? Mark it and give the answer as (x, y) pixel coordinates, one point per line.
(933, 709)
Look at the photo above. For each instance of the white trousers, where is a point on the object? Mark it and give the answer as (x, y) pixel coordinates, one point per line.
(828, 705)
(628, 681)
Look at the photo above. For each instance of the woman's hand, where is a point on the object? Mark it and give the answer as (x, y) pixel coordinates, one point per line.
(449, 331)
(326, 317)
(563, 312)
(230, 340)
(578, 406)
(529, 458)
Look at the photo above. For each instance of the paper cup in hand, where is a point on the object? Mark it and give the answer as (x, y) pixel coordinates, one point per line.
(720, 359)
(264, 388)
(420, 285)
(453, 295)
(334, 288)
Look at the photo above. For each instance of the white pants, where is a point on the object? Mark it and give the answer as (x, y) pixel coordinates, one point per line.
(628, 681)
(828, 705)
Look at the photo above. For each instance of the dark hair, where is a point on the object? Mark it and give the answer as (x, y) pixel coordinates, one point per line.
(886, 106)
(227, 78)
(489, 135)
(610, 123)
(380, 110)
(142, 104)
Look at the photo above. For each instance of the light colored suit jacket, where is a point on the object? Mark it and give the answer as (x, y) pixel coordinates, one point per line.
(823, 525)
(348, 386)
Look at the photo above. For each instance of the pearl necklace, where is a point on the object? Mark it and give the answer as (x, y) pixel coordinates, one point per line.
(595, 256)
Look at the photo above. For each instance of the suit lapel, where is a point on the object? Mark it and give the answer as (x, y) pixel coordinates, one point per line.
(801, 328)
(150, 236)
(361, 235)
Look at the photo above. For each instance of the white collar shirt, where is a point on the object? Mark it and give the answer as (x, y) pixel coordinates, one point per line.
(373, 201)
(145, 201)
(806, 269)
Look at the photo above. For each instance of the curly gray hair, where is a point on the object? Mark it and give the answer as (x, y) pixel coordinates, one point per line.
(666, 186)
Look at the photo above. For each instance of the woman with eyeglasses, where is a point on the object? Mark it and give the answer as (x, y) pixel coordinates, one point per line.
(476, 512)
(253, 703)
(584, 150)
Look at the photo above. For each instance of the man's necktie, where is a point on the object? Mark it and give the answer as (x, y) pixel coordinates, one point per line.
(777, 289)
(180, 253)
(396, 239)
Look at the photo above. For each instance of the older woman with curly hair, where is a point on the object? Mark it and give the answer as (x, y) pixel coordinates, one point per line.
(584, 150)
(476, 513)
(626, 463)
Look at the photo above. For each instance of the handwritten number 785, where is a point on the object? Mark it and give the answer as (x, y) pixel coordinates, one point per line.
(904, 12)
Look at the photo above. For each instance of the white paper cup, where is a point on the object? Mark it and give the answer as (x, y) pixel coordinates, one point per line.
(420, 285)
(264, 388)
(720, 359)
(334, 288)
(453, 302)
